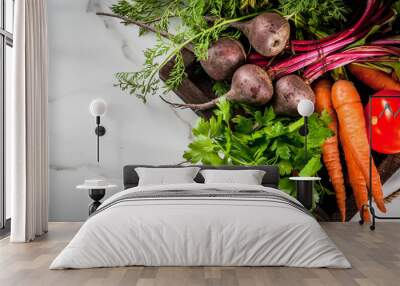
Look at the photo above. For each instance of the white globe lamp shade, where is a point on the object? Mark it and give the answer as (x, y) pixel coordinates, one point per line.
(98, 107)
(305, 107)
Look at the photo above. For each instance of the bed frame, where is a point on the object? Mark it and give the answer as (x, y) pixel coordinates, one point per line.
(271, 177)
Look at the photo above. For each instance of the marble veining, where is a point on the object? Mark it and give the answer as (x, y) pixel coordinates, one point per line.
(86, 51)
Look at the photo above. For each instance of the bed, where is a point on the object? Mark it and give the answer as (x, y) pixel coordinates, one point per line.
(197, 224)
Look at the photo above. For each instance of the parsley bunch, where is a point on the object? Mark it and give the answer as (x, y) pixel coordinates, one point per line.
(259, 137)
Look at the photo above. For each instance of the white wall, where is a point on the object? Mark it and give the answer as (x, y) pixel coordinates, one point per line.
(85, 52)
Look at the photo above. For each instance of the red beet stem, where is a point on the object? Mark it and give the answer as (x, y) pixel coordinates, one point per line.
(338, 59)
(288, 66)
(387, 41)
(291, 65)
(310, 77)
(356, 54)
(341, 35)
(368, 53)
(319, 53)
(372, 48)
(380, 59)
(323, 48)
(299, 43)
(368, 24)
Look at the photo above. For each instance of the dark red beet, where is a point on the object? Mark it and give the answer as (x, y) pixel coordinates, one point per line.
(289, 90)
(224, 57)
(267, 33)
(250, 84)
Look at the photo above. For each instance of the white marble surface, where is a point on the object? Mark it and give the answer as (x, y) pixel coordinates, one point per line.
(85, 52)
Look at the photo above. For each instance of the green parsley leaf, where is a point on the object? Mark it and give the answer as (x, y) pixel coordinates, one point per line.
(243, 124)
(285, 167)
(312, 167)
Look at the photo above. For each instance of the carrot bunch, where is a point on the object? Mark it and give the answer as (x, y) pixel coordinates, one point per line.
(343, 104)
(330, 149)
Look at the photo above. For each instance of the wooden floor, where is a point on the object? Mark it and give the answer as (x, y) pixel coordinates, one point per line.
(375, 257)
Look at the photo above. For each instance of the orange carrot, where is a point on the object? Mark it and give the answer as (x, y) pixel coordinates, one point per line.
(330, 149)
(373, 78)
(349, 110)
(356, 179)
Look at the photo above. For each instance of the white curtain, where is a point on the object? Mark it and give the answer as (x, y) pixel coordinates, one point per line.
(26, 123)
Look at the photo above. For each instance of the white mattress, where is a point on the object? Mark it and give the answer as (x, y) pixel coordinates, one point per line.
(200, 231)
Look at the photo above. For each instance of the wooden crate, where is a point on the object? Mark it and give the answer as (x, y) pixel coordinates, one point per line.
(196, 87)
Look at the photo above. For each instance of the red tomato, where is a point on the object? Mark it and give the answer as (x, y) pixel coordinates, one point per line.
(385, 121)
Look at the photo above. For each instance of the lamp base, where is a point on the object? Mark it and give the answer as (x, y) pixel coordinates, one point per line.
(100, 130)
(96, 195)
(305, 193)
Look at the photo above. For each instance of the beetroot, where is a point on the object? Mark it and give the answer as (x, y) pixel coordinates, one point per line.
(250, 84)
(267, 33)
(289, 90)
(224, 57)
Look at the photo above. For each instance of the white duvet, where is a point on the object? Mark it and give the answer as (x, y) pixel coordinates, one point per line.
(200, 231)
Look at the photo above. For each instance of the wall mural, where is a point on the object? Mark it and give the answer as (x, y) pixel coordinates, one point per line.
(243, 66)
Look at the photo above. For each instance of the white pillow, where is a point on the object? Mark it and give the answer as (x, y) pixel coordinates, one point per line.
(165, 176)
(248, 177)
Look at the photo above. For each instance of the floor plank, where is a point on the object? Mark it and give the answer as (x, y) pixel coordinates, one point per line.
(375, 257)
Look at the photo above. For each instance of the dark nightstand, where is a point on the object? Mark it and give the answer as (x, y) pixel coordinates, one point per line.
(304, 187)
(96, 193)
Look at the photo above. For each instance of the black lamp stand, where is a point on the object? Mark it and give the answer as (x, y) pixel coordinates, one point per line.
(96, 195)
(304, 132)
(370, 206)
(304, 189)
(100, 131)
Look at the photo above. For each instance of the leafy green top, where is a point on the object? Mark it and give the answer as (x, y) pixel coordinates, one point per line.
(257, 137)
(317, 17)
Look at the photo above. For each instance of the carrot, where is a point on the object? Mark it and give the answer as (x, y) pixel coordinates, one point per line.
(356, 179)
(373, 78)
(330, 149)
(349, 110)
